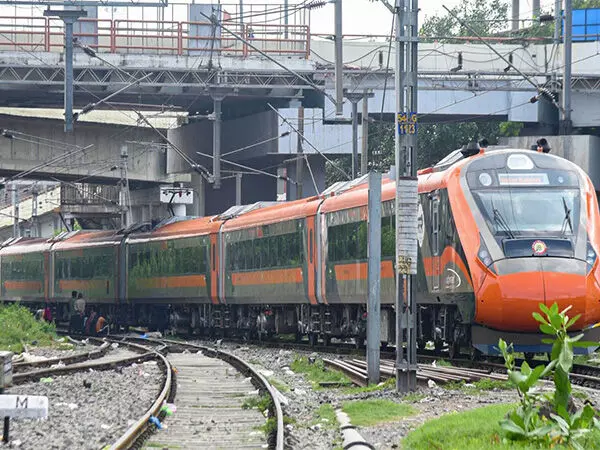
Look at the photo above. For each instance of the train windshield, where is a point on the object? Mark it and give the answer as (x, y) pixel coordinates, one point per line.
(525, 212)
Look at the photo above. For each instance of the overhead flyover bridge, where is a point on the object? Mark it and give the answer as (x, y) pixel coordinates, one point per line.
(242, 78)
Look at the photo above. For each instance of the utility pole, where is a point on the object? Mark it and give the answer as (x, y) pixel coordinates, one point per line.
(515, 15)
(69, 17)
(217, 102)
(300, 152)
(124, 184)
(365, 134)
(566, 124)
(286, 19)
(374, 278)
(557, 27)
(354, 98)
(15, 202)
(34, 212)
(238, 188)
(536, 9)
(339, 76)
(406, 191)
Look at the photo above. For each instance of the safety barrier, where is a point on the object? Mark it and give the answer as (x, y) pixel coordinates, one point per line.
(46, 34)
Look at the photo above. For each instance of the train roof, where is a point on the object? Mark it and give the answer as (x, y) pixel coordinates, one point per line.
(85, 238)
(198, 226)
(279, 212)
(21, 245)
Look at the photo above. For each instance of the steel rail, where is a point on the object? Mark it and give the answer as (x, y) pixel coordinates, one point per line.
(243, 367)
(79, 357)
(128, 439)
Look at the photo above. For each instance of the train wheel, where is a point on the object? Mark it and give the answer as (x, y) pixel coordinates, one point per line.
(529, 357)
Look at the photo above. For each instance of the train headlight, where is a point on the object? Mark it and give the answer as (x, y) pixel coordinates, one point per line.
(484, 255)
(485, 179)
(590, 256)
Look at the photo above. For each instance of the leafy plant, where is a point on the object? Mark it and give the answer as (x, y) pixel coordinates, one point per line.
(560, 425)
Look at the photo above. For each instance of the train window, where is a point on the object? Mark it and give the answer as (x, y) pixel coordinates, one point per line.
(388, 237)
(348, 242)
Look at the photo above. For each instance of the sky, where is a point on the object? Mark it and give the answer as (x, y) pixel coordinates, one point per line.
(366, 17)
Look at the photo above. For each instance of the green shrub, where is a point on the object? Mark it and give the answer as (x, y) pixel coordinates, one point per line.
(18, 326)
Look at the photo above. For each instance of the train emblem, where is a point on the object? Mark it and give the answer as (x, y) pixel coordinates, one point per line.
(539, 248)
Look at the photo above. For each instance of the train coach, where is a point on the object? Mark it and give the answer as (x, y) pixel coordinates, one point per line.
(501, 230)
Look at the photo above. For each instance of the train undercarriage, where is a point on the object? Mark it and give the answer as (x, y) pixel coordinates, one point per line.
(438, 326)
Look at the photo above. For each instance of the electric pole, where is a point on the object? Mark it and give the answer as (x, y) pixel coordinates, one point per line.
(566, 125)
(364, 156)
(406, 191)
(535, 9)
(300, 153)
(515, 15)
(69, 17)
(15, 202)
(339, 77)
(124, 184)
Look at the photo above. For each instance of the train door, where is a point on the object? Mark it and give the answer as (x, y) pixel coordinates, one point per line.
(435, 240)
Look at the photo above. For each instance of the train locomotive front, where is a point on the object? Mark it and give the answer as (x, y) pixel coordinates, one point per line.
(527, 222)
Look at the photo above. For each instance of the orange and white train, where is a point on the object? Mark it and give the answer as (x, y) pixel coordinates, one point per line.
(501, 230)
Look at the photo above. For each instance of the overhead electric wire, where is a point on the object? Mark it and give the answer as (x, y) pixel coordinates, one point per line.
(538, 88)
(273, 60)
(308, 142)
(262, 172)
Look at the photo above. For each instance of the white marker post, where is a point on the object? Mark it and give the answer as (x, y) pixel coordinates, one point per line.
(21, 406)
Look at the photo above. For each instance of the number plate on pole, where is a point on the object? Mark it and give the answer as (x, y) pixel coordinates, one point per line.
(24, 406)
(407, 226)
(407, 123)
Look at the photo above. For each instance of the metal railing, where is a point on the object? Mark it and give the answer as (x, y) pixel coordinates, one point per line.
(88, 194)
(46, 34)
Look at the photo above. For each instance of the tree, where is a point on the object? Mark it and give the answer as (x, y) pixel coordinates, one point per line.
(485, 17)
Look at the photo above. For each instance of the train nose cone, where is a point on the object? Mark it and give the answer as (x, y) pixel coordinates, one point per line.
(566, 284)
(507, 301)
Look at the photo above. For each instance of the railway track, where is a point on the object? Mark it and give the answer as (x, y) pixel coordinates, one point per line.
(100, 351)
(209, 386)
(582, 375)
(103, 358)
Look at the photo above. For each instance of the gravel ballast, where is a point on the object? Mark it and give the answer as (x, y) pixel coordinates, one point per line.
(303, 402)
(81, 417)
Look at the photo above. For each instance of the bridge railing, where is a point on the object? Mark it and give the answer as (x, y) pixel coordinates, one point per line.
(46, 34)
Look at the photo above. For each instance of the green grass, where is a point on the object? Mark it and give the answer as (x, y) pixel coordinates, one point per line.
(317, 372)
(443, 363)
(18, 326)
(390, 383)
(262, 403)
(478, 386)
(327, 412)
(471, 430)
(366, 413)
(279, 385)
